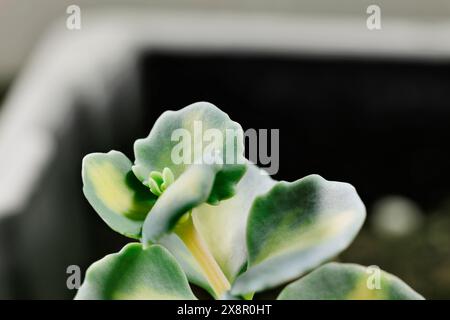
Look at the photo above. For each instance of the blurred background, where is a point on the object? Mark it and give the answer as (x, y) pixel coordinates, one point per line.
(369, 107)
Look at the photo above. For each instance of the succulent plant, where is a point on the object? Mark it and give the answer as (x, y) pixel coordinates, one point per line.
(219, 222)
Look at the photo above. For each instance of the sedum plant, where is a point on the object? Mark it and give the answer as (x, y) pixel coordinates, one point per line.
(222, 225)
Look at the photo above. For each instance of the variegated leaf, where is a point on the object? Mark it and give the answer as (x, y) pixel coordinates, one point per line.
(180, 139)
(339, 281)
(115, 193)
(295, 227)
(223, 227)
(136, 273)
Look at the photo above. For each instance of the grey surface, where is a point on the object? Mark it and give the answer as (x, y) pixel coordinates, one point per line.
(23, 22)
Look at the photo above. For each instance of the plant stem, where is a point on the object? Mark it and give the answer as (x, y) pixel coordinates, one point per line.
(194, 242)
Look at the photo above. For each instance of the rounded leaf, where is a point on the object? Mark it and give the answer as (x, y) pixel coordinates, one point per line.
(338, 281)
(136, 273)
(115, 193)
(191, 136)
(297, 226)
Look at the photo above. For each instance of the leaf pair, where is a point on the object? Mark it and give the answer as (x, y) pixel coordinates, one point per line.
(120, 191)
(135, 200)
(277, 231)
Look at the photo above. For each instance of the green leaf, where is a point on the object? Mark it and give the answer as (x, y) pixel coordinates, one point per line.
(337, 281)
(115, 193)
(184, 257)
(191, 189)
(223, 226)
(135, 273)
(297, 226)
(190, 128)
